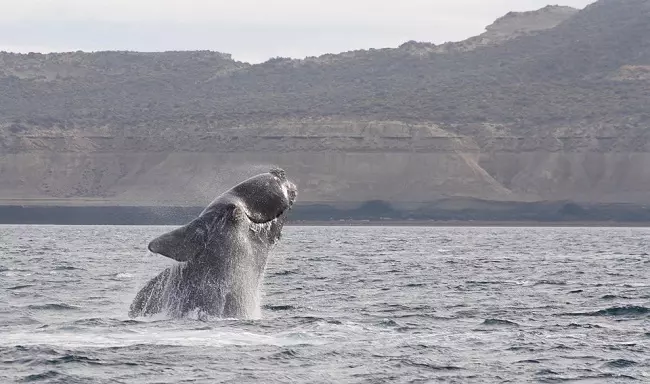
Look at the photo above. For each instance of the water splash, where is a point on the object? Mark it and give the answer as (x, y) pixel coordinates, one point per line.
(209, 289)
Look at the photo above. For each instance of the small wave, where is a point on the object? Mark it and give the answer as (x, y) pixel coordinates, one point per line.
(284, 355)
(550, 282)
(67, 268)
(315, 319)
(279, 307)
(521, 348)
(41, 376)
(621, 346)
(545, 371)
(589, 326)
(123, 275)
(284, 273)
(137, 347)
(587, 378)
(53, 306)
(481, 282)
(429, 365)
(620, 363)
(431, 316)
(395, 308)
(577, 291)
(203, 328)
(413, 285)
(469, 313)
(630, 310)
(97, 321)
(72, 359)
(38, 355)
(17, 287)
(20, 320)
(499, 322)
(635, 285)
(615, 297)
(31, 349)
(309, 319)
(388, 323)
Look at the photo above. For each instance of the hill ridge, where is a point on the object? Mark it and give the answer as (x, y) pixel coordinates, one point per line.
(555, 112)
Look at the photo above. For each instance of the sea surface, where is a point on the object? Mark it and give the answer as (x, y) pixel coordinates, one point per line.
(341, 305)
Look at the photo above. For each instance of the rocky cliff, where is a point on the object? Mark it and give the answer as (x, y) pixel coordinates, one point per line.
(545, 105)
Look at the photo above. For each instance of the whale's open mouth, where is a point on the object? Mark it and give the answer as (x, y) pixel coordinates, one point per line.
(281, 196)
(278, 216)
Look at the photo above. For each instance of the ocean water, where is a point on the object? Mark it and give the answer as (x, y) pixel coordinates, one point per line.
(341, 305)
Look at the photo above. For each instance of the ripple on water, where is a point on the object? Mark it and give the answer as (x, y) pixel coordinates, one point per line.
(588, 378)
(49, 374)
(588, 326)
(17, 287)
(427, 364)
(627, 311)
(621, 363)
(348, 305)
(53, 307)
(499, 323)
(286, 354)
(279, 307)
(123, 275)
(106, 322)
(67, 268)
(19, 320)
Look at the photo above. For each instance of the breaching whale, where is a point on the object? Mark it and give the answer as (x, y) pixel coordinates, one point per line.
(222, 253)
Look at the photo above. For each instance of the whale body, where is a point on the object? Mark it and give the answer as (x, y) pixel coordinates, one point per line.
(221, 254)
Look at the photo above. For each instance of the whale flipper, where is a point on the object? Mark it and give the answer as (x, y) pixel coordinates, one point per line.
(183, 243)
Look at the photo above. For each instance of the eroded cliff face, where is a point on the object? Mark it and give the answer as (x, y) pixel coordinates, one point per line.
(545, 105)
(332, 161)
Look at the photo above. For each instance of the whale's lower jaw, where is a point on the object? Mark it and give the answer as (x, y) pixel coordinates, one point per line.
(280, 214)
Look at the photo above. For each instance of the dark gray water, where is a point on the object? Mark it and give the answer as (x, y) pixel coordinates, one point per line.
(341, 305)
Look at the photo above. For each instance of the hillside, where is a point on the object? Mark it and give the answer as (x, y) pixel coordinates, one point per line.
(545, 105)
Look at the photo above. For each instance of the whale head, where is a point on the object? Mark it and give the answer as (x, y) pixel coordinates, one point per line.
(256, 207)
(262, 198)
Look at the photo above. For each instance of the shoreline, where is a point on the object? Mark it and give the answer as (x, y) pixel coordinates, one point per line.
(373, 215)
(392, 223)
(468, 223)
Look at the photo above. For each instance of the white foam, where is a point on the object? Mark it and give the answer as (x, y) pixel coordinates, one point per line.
(151, 336)
(123, 275)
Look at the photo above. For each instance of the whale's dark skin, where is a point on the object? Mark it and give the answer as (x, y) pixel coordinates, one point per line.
(222, 253)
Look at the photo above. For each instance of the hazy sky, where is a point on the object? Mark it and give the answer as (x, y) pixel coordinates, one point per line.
(252, 30)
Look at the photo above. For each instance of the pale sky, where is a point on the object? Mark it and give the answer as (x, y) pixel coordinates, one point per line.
(251, 30)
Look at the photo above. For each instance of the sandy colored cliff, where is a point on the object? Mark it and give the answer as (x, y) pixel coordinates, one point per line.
(545, 105)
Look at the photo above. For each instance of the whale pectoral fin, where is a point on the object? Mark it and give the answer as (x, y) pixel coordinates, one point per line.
(183, 243)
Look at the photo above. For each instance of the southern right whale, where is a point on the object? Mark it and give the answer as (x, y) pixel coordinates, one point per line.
(222, 253)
